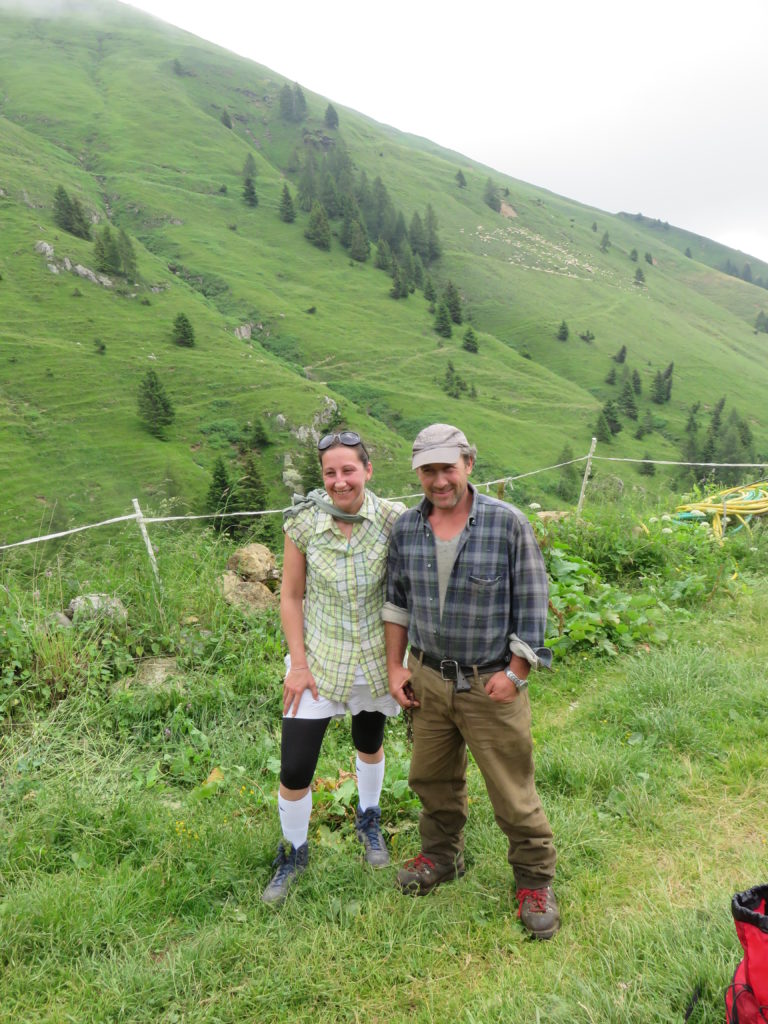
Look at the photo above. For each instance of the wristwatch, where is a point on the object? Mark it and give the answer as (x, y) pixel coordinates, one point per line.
(520, 684)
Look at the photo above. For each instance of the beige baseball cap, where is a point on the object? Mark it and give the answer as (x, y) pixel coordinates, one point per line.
(439, 442)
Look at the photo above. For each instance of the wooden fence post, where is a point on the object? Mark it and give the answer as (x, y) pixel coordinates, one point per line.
(586, 475)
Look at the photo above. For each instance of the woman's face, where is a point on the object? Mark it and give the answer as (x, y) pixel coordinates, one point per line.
(345, 477)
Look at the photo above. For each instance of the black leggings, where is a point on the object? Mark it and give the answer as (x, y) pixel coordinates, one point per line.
(302, 737)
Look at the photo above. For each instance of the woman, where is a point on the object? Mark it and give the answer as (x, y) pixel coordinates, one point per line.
(330, 605)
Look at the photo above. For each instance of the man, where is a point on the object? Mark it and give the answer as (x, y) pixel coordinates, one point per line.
(468, 589)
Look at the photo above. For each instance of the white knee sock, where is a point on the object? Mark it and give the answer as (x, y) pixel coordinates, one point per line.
(370, 779)
(294, 818)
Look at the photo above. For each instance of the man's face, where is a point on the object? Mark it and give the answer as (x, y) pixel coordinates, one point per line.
(445, 484)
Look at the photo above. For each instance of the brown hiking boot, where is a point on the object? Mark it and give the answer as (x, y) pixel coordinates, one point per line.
(420, 875)
(538, 911)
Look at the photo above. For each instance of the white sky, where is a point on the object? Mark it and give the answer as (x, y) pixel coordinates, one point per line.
(652, 106)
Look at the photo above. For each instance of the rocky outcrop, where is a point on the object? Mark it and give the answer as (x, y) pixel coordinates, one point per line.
(250, 579)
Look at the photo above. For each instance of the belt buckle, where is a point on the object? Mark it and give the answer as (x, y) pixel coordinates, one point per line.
(456, 676)
(453, 678)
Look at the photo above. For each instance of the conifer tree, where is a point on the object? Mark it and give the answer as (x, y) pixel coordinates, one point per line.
(220, 497)
(637, 385)
(621, 355)
(647, 468)
(359, 246)
(105, 252)
(605, 242)
(250, 495)
(287, 209)
(318, 230)
(470, 340)
(308, 183)
(383, 260)
(626, 401)
(461, 181)
(249, 167)
(452, 300)
(659, 389)
(126, 254)
(491, 195)
(225, 119)
(417, 236)
(602, 429)
(62, 209)
(299, 103)
(611, 378)
(639, 276)
(183, 332)
(563, 332)
(331, 117)
(155, 407)
(429, 290)
(286, 103)
(611, 414)
(434, 248)
(249, 193)
(443, 321)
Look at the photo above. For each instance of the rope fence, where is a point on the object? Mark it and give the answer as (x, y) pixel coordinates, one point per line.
(143, 521)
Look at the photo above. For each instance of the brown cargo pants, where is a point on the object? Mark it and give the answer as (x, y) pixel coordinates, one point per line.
(499, 736)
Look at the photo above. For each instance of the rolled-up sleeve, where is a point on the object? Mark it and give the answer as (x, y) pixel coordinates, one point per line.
(530, 585)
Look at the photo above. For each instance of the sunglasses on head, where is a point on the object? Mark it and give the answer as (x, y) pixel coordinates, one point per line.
(347, 437)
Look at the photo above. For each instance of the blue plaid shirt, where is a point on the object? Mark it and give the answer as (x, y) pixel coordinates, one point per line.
(498, 584)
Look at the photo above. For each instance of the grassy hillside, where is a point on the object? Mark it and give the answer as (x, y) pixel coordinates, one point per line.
(127, 114)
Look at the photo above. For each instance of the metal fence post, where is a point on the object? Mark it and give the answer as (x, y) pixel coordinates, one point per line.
(586, 475)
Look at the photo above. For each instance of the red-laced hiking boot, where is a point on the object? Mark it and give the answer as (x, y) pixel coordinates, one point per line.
(538, 911)
(420, 875)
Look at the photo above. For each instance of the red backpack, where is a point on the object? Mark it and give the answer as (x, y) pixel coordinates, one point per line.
(746, 1000)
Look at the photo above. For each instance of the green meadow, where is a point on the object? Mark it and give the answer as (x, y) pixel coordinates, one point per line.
(126, 114)
(138, 822)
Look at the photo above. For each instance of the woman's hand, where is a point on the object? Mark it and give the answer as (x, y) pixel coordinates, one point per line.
(296, 682)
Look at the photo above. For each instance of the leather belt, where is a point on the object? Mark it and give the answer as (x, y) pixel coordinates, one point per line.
(438, 664)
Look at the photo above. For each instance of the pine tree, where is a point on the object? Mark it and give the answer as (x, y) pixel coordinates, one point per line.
(257, 438)
(621, 355)
(249, 193)
(611, 414)
(443, 321)
(299, 103)
(249, 167)
(562, 332)
(418, 271)
(434, 248)
(647, 468)
(318, 230)
(639, 276)
(626, 401)
(62, 209)
(417, 236)
(220, 497)
(470, 340)
(633, 255)
(491, 196)
(309, 468)
(80, 225)
(155, 407)
(452, 300)
(602, 429)
(637, 385)
(250, 495)
(605, 242)
(331, 117)
(611, 378)
(329, 197)
(659, 389)
(399, 289)
(568, 485)
(383, 259)
(461, 181)
(429, 290)
(225, 119)
(183, 332)
(308, 183)
(287, 209)
(286, 103)
(105, 252)
(359, 246)
(126, 254)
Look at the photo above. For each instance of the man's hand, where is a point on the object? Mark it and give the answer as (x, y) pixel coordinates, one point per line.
(296, 682)
(500, 688)
(400, 687)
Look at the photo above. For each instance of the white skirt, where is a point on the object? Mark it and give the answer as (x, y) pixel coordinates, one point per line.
(361, 698)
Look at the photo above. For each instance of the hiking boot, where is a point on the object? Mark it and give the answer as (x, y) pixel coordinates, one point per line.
(289, 863)
(538, 911)
(367, 825)
(420, 875)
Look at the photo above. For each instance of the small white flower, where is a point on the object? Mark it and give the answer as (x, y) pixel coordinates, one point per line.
(653, 519)
(666, 519)
(666, 530)
(534, 505)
